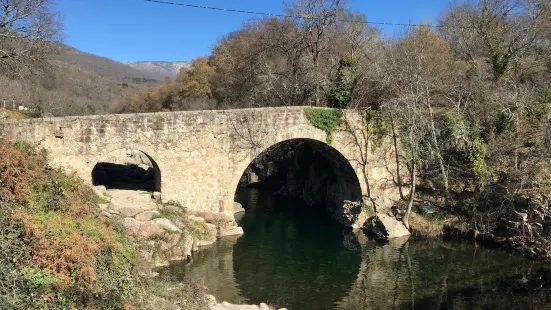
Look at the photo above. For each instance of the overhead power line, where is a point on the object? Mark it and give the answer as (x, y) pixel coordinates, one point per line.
(281, 15)
(195, 6)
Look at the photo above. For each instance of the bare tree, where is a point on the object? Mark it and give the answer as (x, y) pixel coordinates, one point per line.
(412, 76)
(316, 17)
(27, 28)
(498, 31)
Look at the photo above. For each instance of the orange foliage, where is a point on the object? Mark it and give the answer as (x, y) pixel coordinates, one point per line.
(17, 169)
(68, 253)
(66, 235)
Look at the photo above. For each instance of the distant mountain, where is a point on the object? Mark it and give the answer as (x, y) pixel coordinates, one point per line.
(158, 69)
(104, 67)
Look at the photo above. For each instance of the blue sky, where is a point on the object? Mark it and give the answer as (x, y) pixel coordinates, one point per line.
(132, 30)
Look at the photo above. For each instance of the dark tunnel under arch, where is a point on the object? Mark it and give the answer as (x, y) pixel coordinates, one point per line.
(346, 185)
(124, 175)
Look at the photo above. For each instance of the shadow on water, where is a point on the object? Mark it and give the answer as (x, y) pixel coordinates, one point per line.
(291, 257)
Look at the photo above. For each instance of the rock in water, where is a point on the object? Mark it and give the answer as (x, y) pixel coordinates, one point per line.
(384, 227)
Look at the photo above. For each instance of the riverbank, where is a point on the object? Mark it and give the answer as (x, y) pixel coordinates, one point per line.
(525, 232)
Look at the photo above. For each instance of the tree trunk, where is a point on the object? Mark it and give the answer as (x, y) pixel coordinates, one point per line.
(396, 156)
(412, 179)
(438, 152)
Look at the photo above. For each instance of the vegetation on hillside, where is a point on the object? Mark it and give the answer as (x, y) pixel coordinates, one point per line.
(56, 252)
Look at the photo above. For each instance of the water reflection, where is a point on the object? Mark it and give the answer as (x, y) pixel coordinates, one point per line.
(300, 260)
(291, 255)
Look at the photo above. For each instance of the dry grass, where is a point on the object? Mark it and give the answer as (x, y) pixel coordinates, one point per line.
(431, 226)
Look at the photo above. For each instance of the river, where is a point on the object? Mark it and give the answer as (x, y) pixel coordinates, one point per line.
(291, 256)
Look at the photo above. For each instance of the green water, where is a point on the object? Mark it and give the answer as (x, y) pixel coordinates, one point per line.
(292, 257)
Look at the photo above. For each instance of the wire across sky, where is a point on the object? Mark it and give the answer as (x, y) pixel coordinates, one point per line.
(195, 6)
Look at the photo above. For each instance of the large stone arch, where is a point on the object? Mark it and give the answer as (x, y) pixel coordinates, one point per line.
(338, 151)
(148, 152)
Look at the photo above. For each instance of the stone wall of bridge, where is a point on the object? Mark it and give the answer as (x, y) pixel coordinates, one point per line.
(201, 155)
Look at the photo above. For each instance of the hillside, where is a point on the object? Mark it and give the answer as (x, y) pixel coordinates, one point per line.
(104, 67)
(159, 69)
(73, 82)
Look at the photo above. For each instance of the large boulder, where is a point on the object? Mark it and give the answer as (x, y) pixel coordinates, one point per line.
(384, 226)
(143, 230)
(128, 204)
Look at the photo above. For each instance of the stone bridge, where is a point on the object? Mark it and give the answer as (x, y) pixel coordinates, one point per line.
(199, 156)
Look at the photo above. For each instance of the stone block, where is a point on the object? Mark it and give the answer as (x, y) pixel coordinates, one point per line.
(235, 231)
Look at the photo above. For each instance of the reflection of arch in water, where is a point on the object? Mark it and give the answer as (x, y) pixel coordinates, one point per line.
(293, 259)
(346, 185)
(126, 168)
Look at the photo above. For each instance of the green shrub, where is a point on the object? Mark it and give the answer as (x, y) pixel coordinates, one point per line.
(478, 159)
(340, 95)
(377, 124)
(325, 119)
(38, 278)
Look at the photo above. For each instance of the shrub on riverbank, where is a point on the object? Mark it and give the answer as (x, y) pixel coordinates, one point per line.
(56, 252)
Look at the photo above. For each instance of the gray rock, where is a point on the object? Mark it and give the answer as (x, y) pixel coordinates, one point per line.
(237, 207)
(147, 215)
(394, 228)
(130, 223)
(187, 245)
(234, 231)
(167, 225)
(228, 306)
(125, 210)
(383, 203)
(196, 218)
(156, 196)
(214, 305)
(211, 300)
(113, 212)
(207, 236)
(426, 208)
(384, 227)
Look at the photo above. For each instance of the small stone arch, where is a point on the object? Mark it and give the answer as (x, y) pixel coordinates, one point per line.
(148, 153)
